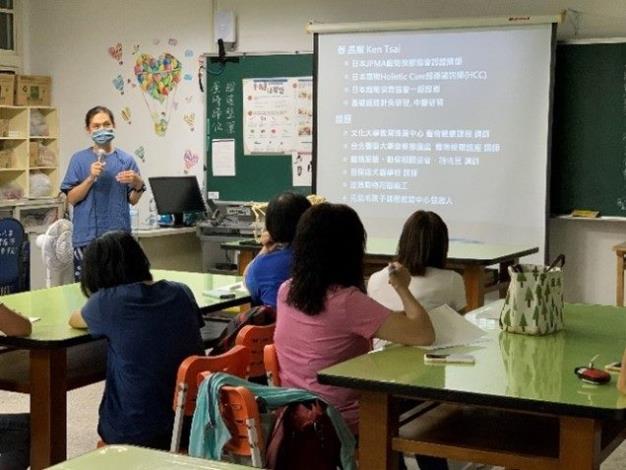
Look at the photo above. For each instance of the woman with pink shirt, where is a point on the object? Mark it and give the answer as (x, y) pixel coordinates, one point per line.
(324, 315)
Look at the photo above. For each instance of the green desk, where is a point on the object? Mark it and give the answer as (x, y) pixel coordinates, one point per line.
(139, 458)
(471, 259)
(519, 406)
(56, 358)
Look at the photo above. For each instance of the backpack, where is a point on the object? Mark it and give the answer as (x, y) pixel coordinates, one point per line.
(260, 316)
(303, 438)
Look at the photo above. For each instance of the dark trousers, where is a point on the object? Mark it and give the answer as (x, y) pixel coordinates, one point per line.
(78, 260)
(14, 441)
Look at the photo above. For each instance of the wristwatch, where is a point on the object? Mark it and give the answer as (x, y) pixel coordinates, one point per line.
(140, 190)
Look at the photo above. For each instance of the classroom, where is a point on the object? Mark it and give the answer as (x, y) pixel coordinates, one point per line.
(529, 165)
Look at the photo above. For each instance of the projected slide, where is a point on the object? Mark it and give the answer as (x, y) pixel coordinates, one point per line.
(453, 121)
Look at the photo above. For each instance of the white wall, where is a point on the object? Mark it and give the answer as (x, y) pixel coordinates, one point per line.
(68, 39)
(274, 25)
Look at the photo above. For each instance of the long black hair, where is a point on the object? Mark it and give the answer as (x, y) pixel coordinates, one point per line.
(113, 259)
(423, 243)
(328, 250)
(282, 215)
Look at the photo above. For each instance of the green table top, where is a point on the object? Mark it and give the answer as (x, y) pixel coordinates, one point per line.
(54, 305)
(138, 458)
(511, 371)
(458, 252)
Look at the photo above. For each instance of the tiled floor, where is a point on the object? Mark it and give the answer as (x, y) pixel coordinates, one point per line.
(82, 419)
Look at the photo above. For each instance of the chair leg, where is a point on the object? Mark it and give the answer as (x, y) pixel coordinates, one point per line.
(177, 429)
(253, 440)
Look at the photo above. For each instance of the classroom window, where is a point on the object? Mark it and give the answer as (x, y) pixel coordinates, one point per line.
(7, 25)
(10, 32)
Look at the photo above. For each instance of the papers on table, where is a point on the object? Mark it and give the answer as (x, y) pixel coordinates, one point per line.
(451, 329)
(225, 292)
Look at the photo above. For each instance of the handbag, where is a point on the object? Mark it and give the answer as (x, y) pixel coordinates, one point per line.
(534, 299)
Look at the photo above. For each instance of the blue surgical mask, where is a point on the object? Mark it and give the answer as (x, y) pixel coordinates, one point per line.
(103, 136)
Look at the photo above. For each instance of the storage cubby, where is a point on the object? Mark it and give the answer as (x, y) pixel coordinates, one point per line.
(28, 149)
(51, 120)
(13, 122)
(14, 154)
(13, 184)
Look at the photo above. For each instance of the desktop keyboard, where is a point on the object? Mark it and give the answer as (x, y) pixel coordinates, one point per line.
(252, 243)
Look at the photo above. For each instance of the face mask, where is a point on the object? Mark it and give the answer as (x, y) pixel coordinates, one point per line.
(103, 136)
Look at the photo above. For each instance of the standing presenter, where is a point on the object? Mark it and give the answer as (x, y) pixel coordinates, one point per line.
(100, 183)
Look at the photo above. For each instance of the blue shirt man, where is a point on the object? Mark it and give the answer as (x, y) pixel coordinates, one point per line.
(99, 183)
(105, 207)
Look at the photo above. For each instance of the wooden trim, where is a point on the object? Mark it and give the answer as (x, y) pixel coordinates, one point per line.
(48, 407)
(490, 436)
(484, 456)
(377, 426)
(579, 443)
(473, 276)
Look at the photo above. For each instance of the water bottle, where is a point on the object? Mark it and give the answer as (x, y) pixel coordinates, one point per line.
(134, 218)
(153, 218)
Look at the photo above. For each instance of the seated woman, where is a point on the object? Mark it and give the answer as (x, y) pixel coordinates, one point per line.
(272, 266)
(324, 316)
(150, 328)
(423, 250)
(14, 428)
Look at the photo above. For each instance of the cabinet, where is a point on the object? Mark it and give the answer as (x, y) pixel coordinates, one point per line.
(29, 152)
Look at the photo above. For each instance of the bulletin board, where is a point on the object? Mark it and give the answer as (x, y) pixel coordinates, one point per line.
(258, 176)
(589, 130)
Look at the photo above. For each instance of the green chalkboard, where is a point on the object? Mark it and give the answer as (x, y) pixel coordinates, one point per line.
(257, 177)
(589, 129)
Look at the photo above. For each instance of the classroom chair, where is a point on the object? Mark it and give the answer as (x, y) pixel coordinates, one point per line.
(270, 360)
(255, 338)
(235, 362)
(14, 257)
(243, 419)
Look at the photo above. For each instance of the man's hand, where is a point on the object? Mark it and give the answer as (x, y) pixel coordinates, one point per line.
(96, 169)
(131, 178)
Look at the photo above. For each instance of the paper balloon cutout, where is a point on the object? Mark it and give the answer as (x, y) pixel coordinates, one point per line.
(116, 52)
(158, 79)
(118, 83)
(191, 159)
(140, 153)
(190, 119)
(126, 114)
(172, 41)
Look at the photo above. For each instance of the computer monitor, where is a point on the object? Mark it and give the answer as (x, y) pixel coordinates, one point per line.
(176, 195)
